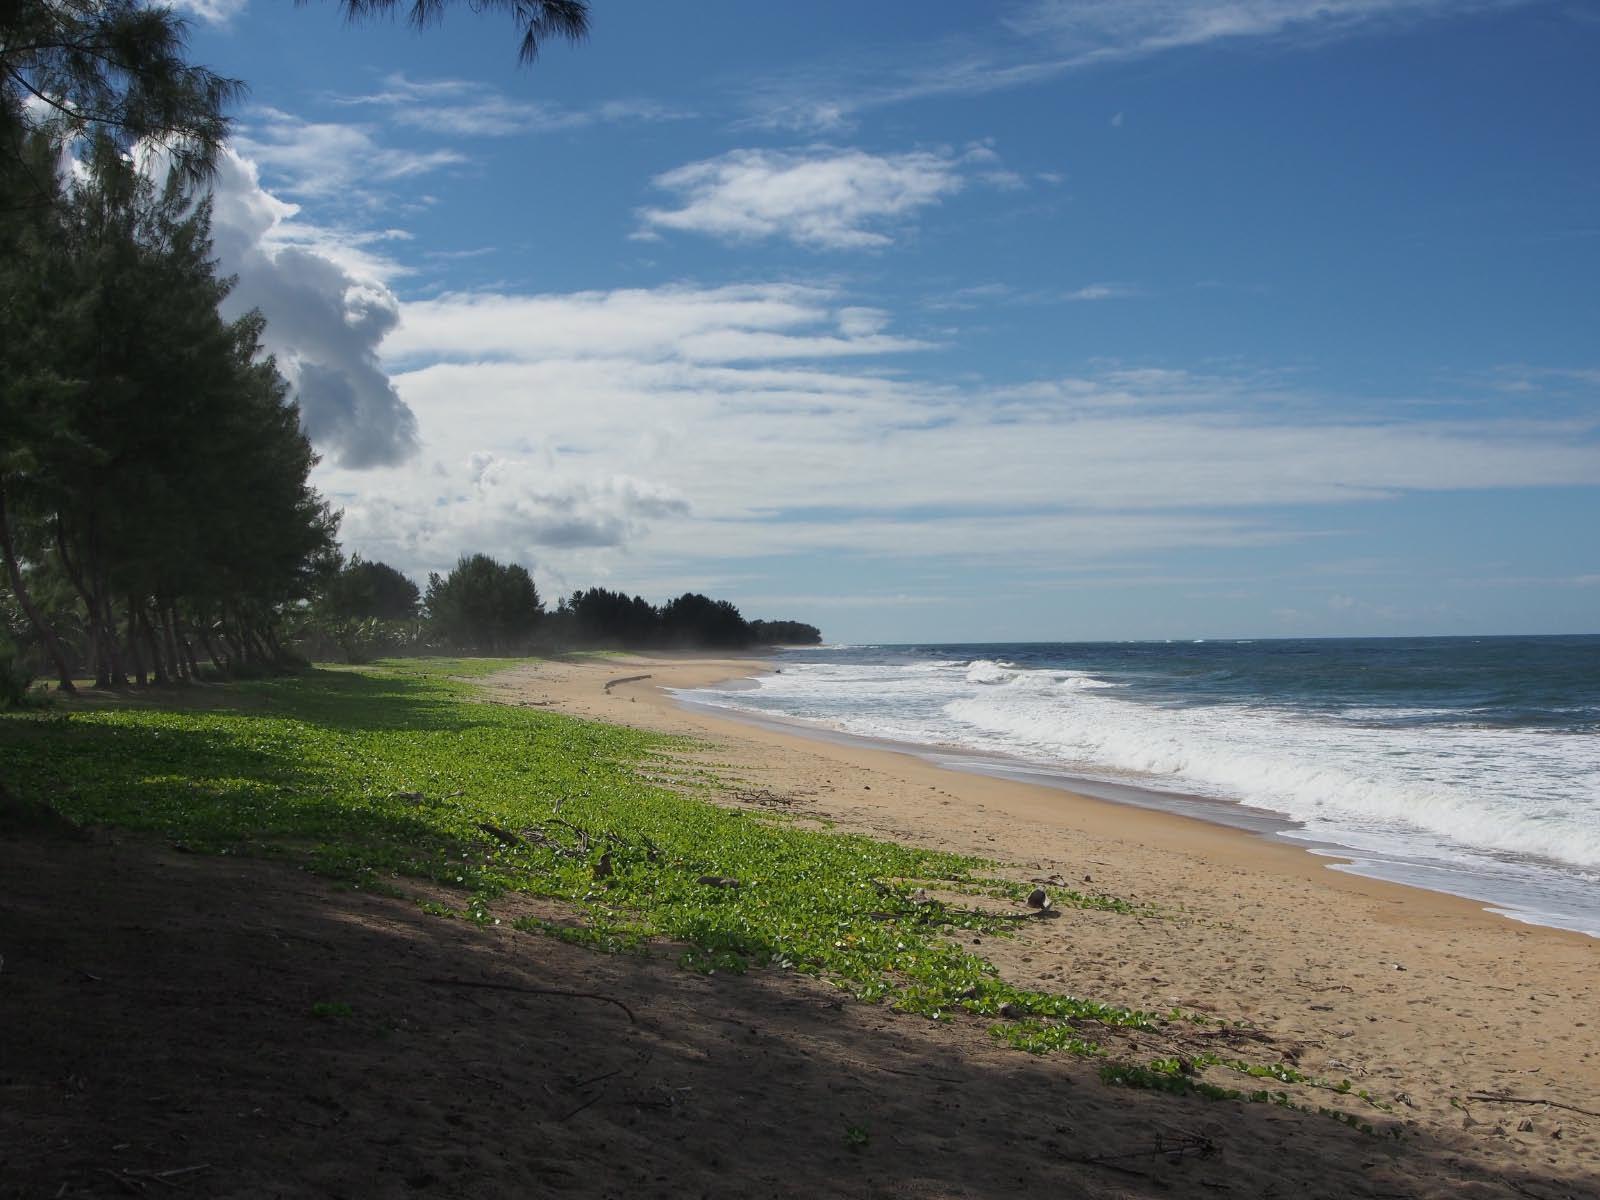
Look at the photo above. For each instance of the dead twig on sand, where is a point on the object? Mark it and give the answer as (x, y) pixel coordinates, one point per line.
(529, 991)
(764, 796)
(133, 1181)
(1189, 1145)
(644, 1061)
(1497, 1098)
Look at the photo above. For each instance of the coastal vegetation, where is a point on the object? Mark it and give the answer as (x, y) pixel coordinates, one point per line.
(153, 477)
(156, 515)
(600, 617)
(396, 779)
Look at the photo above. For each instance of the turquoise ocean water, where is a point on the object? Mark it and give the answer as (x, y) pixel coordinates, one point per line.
(1465, 765)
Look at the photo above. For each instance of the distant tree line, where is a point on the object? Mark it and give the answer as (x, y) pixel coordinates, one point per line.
(601, 617)
(367, 609)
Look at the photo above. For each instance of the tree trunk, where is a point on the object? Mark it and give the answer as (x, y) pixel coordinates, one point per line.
(97, 630)
(279, 655)
(185, 646)
(159, 668)
(47, 635)
(133, 642)
(211, 649)
(179, 672)
(258, 649)
(108, 619)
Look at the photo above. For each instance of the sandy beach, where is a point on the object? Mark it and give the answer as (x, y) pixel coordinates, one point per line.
(232, 1026)
(1425, 1001)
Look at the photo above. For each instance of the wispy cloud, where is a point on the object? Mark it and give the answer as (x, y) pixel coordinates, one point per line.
(463, 108)
(1045, 39)
(734, 323)
(1000, 295)
(1095, 30)
(324, 160)
(821, 197)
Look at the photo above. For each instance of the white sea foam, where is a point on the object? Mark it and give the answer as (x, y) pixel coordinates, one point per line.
(986, 671)
(1477, 789)
(1452, 794)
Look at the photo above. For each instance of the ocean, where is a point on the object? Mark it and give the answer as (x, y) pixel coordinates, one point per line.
(1463, 765)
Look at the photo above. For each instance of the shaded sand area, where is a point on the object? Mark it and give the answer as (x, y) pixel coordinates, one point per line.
(179, 1024)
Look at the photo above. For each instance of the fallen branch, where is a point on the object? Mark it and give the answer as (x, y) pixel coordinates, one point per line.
(1189, 1145)
(1499, 1099)
(764, 796)
(1524, 1191)
(595, 1099)
(500, 834)
(174, 1172)
(530, 991)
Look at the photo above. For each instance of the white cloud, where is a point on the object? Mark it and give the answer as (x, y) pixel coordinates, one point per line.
(822, 198)
(325, 160)
(1045, 39)
(991, 295)
(737, 322)
(212, 12)
(1098, 29)
(861, 322)
(466, 108)
(513, 508)
(744, 432)
(326, 314)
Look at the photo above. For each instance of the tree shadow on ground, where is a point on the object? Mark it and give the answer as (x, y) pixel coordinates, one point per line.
(179, 1023)
(211, 787)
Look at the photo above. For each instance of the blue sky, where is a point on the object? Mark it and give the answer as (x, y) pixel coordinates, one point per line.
(941, 321)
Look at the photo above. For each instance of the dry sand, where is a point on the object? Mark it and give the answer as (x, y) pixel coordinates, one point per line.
(1422, 999)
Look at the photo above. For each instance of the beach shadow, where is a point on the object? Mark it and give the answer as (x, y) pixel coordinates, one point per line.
(238, 1028)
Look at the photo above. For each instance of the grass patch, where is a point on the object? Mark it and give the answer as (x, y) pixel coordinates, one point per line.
(377, 775)
(394, 772)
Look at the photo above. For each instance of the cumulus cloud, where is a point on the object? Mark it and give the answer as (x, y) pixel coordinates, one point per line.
(324, 321)
(821, 198)
(520, 509)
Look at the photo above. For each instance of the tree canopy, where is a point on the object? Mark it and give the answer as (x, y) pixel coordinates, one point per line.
(116, 69)
(483, 605)
(154, 494)
(152, 466)
(536, 20)
(601, 617)
(371, 590)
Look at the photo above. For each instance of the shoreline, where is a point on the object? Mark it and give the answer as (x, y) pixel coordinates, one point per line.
(1271, 826)
(1423, 999)
(653, 678)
